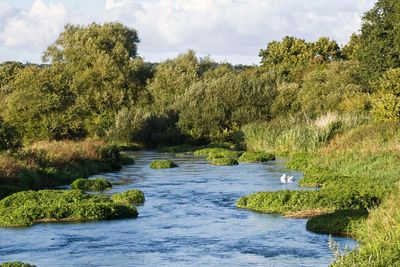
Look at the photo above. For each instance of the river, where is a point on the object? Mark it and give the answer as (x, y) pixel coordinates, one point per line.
(189, 219)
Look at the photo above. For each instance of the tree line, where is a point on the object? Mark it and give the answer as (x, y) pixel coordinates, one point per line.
(92, 83)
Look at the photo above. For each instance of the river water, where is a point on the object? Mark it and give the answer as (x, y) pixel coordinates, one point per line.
(189, 219)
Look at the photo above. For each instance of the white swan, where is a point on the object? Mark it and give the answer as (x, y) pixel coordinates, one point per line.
(286, 179)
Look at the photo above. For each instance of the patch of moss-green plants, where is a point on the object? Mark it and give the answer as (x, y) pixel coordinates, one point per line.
(224, 162)
(16, 264)
(214, 153)
(339, 222)
(97, 184)
(162, 164)
(252, 157)
(29, 207)
(133, 196)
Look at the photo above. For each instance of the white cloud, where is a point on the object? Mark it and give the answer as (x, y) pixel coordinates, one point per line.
(234, 30)
(35, 28)
(233, 27)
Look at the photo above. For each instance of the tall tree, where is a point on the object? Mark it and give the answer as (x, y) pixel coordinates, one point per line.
(106, 73)
(379, 42)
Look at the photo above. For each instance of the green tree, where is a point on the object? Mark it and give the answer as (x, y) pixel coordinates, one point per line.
(42, 106)
(328, 88)
(214, 107)
(379, 42)
(289, 58)
(105, 73)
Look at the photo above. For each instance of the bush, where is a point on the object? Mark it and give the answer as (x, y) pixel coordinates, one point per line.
(224, 162)
(134, 196)
(9, 138)
(256, 157)
(98, 184)
(29, 207)
(162, 164)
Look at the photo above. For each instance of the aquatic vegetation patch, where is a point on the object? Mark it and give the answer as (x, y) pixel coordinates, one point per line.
(214, 153)
(29, 207)
(224, 162)
(97, 184)
(162, 164)
(16, 264)
(251, 157)
(133, 196)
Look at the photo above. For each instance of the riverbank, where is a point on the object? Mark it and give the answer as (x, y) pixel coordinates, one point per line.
(357, 171)
(56, 163)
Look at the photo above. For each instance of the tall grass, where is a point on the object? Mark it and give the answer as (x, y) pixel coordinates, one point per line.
(379, 237)
(290, 136)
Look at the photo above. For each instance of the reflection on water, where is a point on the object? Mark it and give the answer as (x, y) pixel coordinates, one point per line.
(189, 219)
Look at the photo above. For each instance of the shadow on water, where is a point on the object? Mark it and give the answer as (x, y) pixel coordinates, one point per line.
(189, 218)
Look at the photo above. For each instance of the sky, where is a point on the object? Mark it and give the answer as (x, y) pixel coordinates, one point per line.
(231, 31)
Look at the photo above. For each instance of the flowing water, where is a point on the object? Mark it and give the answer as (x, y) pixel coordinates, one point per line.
(189, 219)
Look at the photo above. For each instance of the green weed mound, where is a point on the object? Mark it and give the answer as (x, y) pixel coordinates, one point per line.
(162, 164)
(326, 199)
(16, 264)
(224, 162)
(252, 157)
(339, 222)
(97, 184)
(134, 196)
(29, 207)
(216, 153)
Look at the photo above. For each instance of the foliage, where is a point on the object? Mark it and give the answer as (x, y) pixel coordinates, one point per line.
(251, 157)
(379, 41)
(29, 207)
(133, 196)
(162, 164)
(97, 184)
(9, 138)
(290, 57)
(386, 102)
(213, 109)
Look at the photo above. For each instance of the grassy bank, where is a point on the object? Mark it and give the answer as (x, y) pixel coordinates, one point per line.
(48, 164)
(357, 171)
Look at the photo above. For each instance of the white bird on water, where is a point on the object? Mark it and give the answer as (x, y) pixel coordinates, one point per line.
(286, 179)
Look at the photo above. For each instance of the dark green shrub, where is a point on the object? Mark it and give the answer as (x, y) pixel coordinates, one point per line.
(162, 164)
(224, 162)
(98, 184)
(111, 155)
(133, 196)
(256, 157)
(29, 207)
(9, 138)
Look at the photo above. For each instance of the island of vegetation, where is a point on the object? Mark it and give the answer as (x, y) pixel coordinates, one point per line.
(133, 196)
(97, 184)
(162, 164)
(29, 207)
(333, 110)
